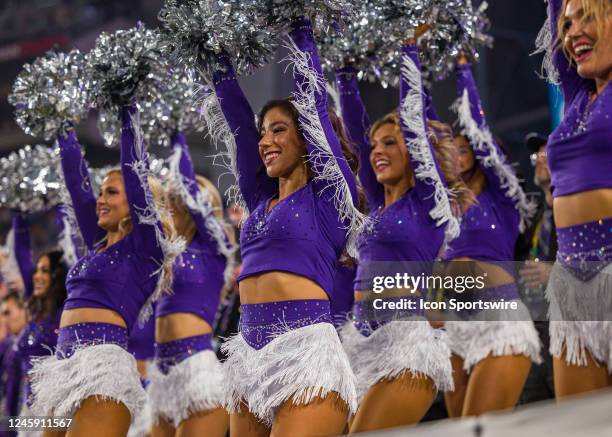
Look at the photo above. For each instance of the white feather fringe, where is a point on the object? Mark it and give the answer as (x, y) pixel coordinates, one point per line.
(151, 215)
(142, 424)
(69, 214)
(324, 162)
(10, 268)
(481, 139)
(105, 371)
(201, 205)
(579, 316)
(544, 44)
(195, 385)
(302, 365)
(224, 141)
(66, 242)
(397, 347)
(411, 114)
(473, 341)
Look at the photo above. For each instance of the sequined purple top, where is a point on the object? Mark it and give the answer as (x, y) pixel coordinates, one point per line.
(578, 151)
(490, 228)
(404, 230)
(11, 376)
(303, 233)
(198, 272)
(125, 274)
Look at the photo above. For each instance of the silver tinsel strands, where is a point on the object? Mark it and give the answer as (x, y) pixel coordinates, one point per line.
(158, 168)
(30, 179)
(126, 65)
(199, 30)
(50, 94)
(327, 16)
(456, 26)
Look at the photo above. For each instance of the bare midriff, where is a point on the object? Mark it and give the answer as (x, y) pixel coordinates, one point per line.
(278, 287)
(91, 315)
(585, 207)
(180, 325)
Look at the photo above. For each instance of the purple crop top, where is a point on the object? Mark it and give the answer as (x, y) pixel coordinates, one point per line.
(307, 221)
(123, 276)
(490, 228)
(198, 272)
(579, 151)
(405, 230)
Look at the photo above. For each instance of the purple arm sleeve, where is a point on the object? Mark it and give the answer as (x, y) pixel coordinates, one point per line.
(23, 252)
(139, 196)
(465, 81)
(254, 183)
(14, 380)
(432, 114)
(189, 180)
(76, 176)
(302, 36)
(357, 124)
(571, 82)
(423, 188)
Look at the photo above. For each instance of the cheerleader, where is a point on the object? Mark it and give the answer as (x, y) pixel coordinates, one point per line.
(580, 159)
(44, 296)
(92, 377)
(493, 351)
(187, 384)
(14, 314)
(398, 358)
(286, 370)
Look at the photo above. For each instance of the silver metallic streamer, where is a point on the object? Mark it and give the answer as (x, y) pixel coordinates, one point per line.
(198, 30)
(124, 66)
(327, 16)
(158, 167)
(31, 179)
(50, 94)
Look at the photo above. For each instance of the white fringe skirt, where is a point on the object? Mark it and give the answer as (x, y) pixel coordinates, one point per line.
(105, 371)
(579, 312)
(300, 365)
(395, 348)
(196, 384)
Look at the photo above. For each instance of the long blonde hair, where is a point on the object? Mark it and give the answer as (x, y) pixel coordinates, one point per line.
(441, 137)
(597, 10)
(161, 205)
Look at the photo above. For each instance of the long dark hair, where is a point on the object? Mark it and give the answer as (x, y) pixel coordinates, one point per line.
(348, 151)
(44, 306)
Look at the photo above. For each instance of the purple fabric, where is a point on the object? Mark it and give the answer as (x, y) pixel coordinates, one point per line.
(74, 337)
(306, 220)
(432, 114)
(357, 124)
(23, 252)
(198, 273)
(169, 354)
(492, 294)
(578, 151)
(12, 377)
(367, 318)
(260, 323)
(141, 343)
(124, 275)
(585, 249)
(344, 297)
(37, 339)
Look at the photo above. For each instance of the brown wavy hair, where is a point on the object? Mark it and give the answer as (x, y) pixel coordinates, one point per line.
(441, 137)
(41, 307)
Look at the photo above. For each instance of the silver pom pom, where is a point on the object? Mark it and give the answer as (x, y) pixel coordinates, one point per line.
(124, 66)
(50, 94)
(327, 16)
(158, 167)
(199, 30)
(30, 179)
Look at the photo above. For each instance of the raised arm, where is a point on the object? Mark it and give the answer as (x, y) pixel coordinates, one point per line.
(414, 125)
(432, 114)
(76, 176)
(357, 124)
(571, 82)
(23, 252)
(325, 153)
(134, 169)
(254, 183)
